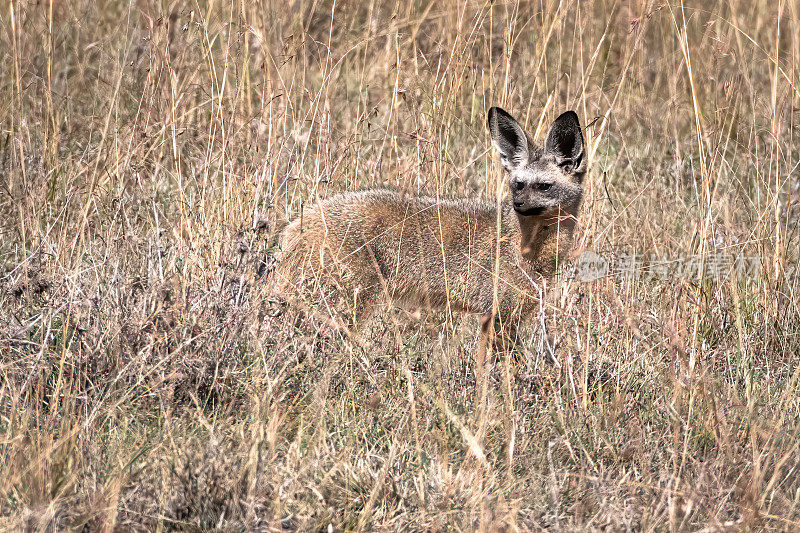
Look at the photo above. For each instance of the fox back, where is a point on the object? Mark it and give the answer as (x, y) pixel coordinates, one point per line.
(476, 256)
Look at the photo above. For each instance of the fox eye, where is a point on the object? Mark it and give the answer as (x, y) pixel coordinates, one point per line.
(543, 186)
(518, 185)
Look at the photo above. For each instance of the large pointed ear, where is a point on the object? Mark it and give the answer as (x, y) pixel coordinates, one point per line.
(509, 138)
(565, 141)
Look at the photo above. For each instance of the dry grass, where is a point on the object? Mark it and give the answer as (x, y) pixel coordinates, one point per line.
(150, 152)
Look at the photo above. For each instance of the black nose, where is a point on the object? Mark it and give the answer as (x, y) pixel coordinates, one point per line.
(518, 203)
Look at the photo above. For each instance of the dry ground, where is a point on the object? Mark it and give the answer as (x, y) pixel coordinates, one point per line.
(151, 150)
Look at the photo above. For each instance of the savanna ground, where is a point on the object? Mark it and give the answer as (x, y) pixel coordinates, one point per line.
(150, 152)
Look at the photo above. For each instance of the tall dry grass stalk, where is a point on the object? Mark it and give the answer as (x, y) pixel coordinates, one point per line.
(150, 152)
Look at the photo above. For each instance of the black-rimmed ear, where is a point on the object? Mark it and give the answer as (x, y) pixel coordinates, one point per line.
(508, 137)
(565, 141)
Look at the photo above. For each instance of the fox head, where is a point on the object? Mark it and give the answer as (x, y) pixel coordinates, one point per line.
(542, 180)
